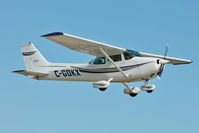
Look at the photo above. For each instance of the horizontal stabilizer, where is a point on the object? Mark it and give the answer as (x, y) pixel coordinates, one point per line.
(30, 73)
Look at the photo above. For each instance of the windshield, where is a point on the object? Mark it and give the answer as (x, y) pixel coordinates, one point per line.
(128, 54)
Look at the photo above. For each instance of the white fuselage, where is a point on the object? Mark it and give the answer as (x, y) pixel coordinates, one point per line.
(137, 69)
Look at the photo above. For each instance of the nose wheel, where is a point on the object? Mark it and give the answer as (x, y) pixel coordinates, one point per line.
(149, 88)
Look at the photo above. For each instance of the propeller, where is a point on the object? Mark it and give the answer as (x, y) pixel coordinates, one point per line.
(163, 62)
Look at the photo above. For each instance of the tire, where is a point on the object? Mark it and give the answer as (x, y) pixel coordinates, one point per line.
(149, 91)
(102, 89)
(133, 94)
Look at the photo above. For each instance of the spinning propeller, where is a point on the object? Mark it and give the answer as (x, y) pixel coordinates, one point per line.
(163, 62)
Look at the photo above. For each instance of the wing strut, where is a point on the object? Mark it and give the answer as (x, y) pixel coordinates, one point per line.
(126, 86)
(117, 67)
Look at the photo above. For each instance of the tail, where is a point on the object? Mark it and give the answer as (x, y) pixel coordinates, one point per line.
(33, 58)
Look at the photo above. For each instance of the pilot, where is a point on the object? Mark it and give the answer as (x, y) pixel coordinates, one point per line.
(127, 57)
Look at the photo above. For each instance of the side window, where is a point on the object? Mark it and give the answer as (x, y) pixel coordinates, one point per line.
(116, 58)
(100, 60)
(128, 55)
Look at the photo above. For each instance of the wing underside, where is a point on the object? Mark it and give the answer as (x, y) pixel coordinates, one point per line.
(83, 45)
(172, 60)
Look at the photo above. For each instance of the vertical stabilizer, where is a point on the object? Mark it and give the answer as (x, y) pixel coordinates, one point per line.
(32, 57)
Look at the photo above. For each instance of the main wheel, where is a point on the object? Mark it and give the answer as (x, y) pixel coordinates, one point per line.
(149, 91)
(102, 89)
(133, 94)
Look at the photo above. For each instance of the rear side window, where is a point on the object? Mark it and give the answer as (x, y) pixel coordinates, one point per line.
(116, 58)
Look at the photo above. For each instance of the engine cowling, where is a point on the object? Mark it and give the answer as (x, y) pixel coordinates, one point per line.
(101, 84)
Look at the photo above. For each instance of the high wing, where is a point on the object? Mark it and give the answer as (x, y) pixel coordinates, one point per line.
(96, 48)
(172, 60)
(83, 45)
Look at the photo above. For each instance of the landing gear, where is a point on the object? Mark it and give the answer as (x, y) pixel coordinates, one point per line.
(132, 91)
(102, 89)
(148, 87)
(102, 85)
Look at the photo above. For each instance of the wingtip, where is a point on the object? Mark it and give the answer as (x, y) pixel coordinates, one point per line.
(189, 62)
(17, 71)
(53, 34)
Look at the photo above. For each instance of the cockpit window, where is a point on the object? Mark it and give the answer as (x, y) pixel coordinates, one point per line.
(100, 60)
(128, 54)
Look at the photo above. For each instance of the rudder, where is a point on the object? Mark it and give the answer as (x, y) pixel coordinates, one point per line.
(32, 57)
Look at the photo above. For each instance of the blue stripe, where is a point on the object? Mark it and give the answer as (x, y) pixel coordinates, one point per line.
(97, 72)
(109, 71)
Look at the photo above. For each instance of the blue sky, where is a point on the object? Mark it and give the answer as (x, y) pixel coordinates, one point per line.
(32, 106)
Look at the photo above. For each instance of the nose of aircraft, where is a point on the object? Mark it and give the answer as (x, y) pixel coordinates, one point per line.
(162, 63)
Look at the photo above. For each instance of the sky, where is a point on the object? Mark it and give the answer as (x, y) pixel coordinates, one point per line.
(33, 106)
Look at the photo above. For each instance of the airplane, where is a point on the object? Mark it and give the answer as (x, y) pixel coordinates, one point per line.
(112, 64)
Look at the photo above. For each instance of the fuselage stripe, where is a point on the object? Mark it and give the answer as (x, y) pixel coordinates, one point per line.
(109, 70)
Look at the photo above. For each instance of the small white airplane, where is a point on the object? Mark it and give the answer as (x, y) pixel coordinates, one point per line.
(112, 64)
